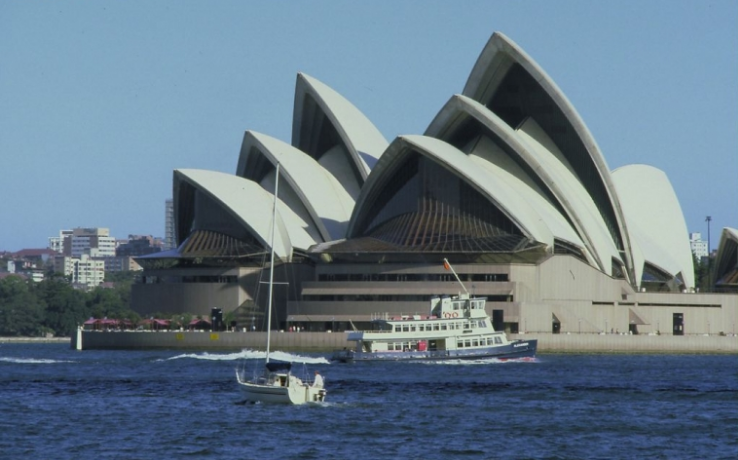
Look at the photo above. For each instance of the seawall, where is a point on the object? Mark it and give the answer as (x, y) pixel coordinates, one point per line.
(34, 339)
(326, 342)
(613, 343)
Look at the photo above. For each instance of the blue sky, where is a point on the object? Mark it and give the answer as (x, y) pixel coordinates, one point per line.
(101, 101)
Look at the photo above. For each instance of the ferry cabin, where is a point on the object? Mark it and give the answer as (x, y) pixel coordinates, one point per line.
(453, 324)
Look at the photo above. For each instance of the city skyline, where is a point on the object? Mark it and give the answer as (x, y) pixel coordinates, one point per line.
(100, 103)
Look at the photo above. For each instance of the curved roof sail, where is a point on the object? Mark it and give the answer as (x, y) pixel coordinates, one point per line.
(726, 262)
(425, 192)
(307, 188)
(335, 133)
(508, 82)
(656, 221)
(473, 128)
(239, 208)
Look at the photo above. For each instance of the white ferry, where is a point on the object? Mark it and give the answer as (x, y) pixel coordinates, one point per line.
(457, 327)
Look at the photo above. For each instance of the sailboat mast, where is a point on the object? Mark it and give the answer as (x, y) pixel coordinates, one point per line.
(271, 264)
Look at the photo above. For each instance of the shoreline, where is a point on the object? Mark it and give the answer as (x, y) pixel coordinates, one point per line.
(327, 342)
(35, 339)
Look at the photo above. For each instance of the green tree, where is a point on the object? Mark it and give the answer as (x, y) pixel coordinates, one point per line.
(21, 312)
(103, 302)
(65, 306)
(702, 275)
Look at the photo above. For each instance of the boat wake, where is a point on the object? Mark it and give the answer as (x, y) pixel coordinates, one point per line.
(476, 362)
(253, 354)
(33, 361)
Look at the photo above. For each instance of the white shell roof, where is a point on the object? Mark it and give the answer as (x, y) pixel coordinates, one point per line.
(496, 58)
(251, 205)
(498, 191)
(557, 222)
(726, 254)
(328, 204)
(362, 139)
(549, 200)
(578, 201)
(655, 220)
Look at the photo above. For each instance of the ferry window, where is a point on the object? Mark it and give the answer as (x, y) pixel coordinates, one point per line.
(435, 327)
(460, 344)
(482, 324)
(467, 343)
(443, 327)
(421, 327)
(397, 328)
(412, 328)
(405, 328)
(498, 340)
(475, 343)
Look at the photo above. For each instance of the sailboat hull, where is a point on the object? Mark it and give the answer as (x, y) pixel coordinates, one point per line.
(277, 386)
(286, 389)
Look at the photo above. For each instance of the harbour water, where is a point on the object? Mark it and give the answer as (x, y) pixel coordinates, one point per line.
(65, 404)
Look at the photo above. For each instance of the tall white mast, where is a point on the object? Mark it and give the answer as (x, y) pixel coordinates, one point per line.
(271, 264)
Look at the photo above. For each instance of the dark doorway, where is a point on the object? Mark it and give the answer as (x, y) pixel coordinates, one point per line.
(633, 329)
(498, 319)
(678, 323)
(216, 315)
(556, 327)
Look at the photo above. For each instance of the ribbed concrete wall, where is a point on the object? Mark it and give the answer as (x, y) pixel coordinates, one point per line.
(325, 342)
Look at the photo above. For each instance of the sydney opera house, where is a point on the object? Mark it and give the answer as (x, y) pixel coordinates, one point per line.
(507, 183)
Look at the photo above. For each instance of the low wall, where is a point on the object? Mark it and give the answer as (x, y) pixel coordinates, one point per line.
(206, 340)
(613, 343)
(326, 342)
(34, 339)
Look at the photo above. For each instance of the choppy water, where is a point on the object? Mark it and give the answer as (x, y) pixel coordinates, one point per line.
(63, 404)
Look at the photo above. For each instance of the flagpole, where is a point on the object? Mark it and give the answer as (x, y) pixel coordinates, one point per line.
(448, 266)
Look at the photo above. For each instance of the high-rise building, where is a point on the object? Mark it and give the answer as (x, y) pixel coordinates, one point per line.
(138, 245)
(120, 264)
(698, 245)
(168, 224)
(95, 242)
(83, 270)
(56, 243)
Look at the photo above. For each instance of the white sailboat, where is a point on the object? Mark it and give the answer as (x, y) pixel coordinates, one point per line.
(276, 383)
